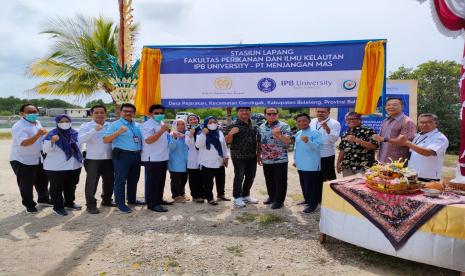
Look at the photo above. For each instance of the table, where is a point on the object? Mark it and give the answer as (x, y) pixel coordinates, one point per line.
(439, 242)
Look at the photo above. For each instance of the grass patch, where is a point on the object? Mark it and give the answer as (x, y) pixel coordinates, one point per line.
(170, 262)
(236, 250)
(263, 192)
(297, 197)
(450, 160)
(262, 219)
(5, 135)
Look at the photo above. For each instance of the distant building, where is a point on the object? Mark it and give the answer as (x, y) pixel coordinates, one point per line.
(77, 112)
(52, 112)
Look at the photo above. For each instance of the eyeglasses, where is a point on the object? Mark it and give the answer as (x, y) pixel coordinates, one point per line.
(158, 113)
(271, 114)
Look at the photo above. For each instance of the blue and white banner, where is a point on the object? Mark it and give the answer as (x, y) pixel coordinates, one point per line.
(285, 75)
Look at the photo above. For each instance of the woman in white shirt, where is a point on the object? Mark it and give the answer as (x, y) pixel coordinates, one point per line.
(213, 158)
(193, 167)
(63, 164)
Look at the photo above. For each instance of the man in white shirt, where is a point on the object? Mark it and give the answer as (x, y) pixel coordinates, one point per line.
(427, 149)
(97, 162)
(25, 157)
(330, 129)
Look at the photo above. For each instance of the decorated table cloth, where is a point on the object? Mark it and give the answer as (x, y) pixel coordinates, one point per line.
(414, 227)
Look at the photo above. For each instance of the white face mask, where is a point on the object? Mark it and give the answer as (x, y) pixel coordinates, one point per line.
(212, 126)
(64, 125)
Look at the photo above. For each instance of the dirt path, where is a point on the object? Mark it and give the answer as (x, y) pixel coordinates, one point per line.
(190, 239)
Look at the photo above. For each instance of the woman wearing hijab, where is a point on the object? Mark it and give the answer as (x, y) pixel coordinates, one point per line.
(193, 167)
(213, 158)
(177, 162)
(62, 164)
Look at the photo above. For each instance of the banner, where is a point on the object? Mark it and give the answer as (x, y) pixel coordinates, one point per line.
(323, 74)
(403, 89)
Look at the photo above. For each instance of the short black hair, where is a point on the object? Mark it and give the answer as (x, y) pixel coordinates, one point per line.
(266, 108)
(394, 98)
(156, 106)
(21, 109)
(127, 105)
(302, 115)
(243, 107)
(98, 106)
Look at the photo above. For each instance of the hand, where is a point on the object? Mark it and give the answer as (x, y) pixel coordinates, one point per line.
(191, 132)
(350, 138)
(403, 140)
(304, 138)
(98, 127)
(378, 138)
(294, 165)
(326, 127)
(164, 128)
(205, 130)
(259, 161)
(225, 162)
(234, 130)
(42, 131)
(276, 132)
(54, 139)
(338, 168)
(122, 130)
(175, 134)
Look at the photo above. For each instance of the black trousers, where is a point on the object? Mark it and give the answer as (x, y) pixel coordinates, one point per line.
(195, 183)
(29, 177)
(155, 177)
(63, 187)
(310, 184)
(244, 175)
(178, 183)
(276, 181)
(99, 169)
(328, 172)
(208, 174)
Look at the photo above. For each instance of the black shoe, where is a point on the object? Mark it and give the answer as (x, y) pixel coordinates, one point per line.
(223, 198)
(93, 210)
(137, 202)
(61, 212)
(158, 208)
(212, 202)
(268, 201)
(31, 210)
(108, 204)
(302, 202)
(45, 202)
(74, 206)
(277, 205)
(125, 209)
(309, 210)
(164, 202)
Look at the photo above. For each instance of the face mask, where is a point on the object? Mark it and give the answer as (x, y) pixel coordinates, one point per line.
(64, 125)
(212, 126)
(158, 118)
(32, 117)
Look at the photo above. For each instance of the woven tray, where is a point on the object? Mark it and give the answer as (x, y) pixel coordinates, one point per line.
(413, 189)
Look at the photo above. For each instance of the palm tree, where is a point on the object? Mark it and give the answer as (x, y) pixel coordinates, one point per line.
(72, 67)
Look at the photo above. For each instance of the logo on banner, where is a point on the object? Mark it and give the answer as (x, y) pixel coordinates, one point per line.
(266, 85)
(349, 85)
(223, 83)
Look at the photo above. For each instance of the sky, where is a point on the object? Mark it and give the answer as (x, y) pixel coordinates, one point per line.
(407, 25)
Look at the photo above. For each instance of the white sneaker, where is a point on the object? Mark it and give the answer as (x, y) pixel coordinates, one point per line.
(250, 200)
(238, 202)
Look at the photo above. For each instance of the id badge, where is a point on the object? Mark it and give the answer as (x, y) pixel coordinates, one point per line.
(136, 139)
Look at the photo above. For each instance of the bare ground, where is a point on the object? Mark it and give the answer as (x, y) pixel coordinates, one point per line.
(190, 239)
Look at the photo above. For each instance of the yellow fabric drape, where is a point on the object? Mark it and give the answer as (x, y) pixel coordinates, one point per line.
(148, 84)
(372, 78)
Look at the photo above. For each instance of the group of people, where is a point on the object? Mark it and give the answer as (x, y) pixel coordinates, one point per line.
(196, 152)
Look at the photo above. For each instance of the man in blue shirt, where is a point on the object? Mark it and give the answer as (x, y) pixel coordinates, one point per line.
(126, 141)
(308, 144)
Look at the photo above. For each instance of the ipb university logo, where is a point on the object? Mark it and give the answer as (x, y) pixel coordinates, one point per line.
(223, 83)
(349, 85)
(266, 85)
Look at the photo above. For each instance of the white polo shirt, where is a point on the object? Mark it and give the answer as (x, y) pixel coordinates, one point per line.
(96, 149)
(329, 140)
(192, 154)
(210, 158)
(27, 155)
(157, 151)
(56, 158)
(429, 166)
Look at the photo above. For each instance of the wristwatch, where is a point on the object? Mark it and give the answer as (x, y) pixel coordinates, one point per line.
(386, 139)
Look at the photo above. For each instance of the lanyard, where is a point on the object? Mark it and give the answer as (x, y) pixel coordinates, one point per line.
(321, 124)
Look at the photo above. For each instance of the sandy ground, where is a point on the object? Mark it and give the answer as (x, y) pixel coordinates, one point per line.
(190, 239)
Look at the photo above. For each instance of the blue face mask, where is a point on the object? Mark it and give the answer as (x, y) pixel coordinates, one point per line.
(158, 118)
(32, 117)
